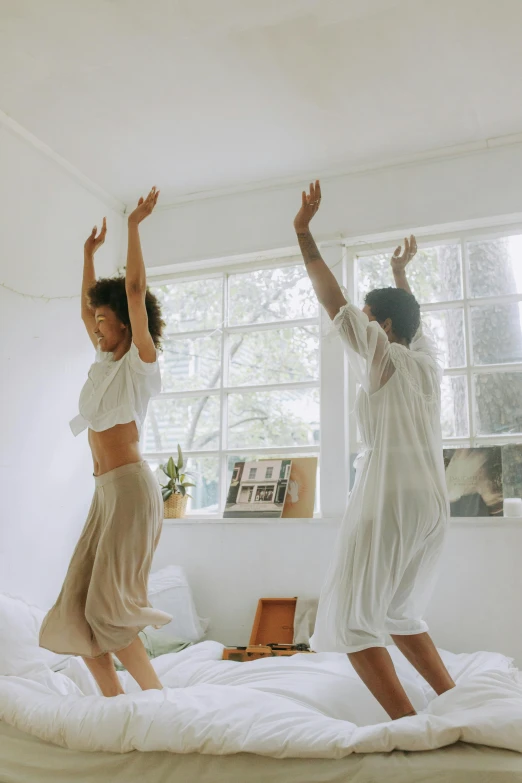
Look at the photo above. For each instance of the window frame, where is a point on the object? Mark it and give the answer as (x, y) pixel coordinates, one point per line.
(477, 231)
(336, 384)
(223, 269)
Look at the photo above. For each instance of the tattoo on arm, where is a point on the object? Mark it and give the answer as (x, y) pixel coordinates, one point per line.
(308, 247)
(401, 281)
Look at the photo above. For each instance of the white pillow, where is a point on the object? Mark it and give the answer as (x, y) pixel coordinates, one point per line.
(20, 623)
(19, 628)
(170, 592)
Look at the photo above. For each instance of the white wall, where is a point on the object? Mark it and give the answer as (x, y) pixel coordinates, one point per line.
(45, 480)
(477, 603)
(427, 193)
(45, 473)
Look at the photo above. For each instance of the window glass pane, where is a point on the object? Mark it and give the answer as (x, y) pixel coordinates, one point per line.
(497, 333)
(512, 470)
(189, 363)
(498, 403)
(277, 418)
(454, 409)
(154, 465)
(193, 422)
(495, 266)
(205, 475)
(434, 275)
(271, 295)
(447, 328)
(274, 356)
(191, 305)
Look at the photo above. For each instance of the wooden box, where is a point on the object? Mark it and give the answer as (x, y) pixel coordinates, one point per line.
(272, 632)
(274, 621)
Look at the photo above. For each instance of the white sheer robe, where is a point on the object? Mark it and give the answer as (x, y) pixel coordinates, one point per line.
(385, 560)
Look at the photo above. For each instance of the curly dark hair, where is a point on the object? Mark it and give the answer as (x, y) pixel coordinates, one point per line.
(110, 292)
(399, 306)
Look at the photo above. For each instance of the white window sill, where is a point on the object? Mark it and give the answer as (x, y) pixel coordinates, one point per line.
(251, 521)
(487, 521)
(454, 521)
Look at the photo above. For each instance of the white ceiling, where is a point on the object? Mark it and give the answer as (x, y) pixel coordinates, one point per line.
(203, 95)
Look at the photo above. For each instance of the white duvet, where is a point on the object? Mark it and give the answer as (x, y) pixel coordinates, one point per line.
(303, 706)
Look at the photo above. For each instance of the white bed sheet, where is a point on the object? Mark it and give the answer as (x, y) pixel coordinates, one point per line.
(299, 707)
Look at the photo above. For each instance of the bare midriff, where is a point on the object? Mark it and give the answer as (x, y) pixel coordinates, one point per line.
(114, 447)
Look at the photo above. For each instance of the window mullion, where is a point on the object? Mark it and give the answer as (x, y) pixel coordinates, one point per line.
(270, 326)
(268, 387)
(335, 381)
(333, 443)
(351, 282)
(468, 340)
(223, 407)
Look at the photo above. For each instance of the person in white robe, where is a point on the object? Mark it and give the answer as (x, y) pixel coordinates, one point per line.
(386, 558)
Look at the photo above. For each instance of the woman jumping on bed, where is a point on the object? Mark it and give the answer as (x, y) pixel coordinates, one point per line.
(388, 550)
(103, 602)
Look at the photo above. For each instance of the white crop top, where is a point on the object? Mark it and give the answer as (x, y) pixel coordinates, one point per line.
(117, 392)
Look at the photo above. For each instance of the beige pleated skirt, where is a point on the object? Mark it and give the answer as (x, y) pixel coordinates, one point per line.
(103, 603)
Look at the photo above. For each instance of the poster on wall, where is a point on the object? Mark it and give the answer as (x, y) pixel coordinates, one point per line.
(258, 489)
(478, 479)
(474, 480)
(300, 498)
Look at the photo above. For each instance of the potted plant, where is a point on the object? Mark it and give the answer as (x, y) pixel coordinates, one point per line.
(175, 490)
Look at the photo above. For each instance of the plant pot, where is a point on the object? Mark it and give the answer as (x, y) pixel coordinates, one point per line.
(175, 506)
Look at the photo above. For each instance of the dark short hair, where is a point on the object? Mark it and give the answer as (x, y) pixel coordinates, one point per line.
(110, 292)
(399, 306)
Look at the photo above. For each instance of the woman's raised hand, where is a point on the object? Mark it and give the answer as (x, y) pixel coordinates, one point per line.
(309, 205)
(399, 261)
(145, 207)
(95, 240)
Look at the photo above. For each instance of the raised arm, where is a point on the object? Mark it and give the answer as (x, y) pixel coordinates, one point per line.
(136, 280)
(399, 262)
(422, 342)
(93, 242)
(365, 342)
(325, 285)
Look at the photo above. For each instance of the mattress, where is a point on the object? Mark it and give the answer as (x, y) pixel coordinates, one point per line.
(27, 759)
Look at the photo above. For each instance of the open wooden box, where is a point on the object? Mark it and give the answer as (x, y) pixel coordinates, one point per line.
(272, 632)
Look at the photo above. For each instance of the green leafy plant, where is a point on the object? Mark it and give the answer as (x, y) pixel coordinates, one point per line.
(177, 483)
